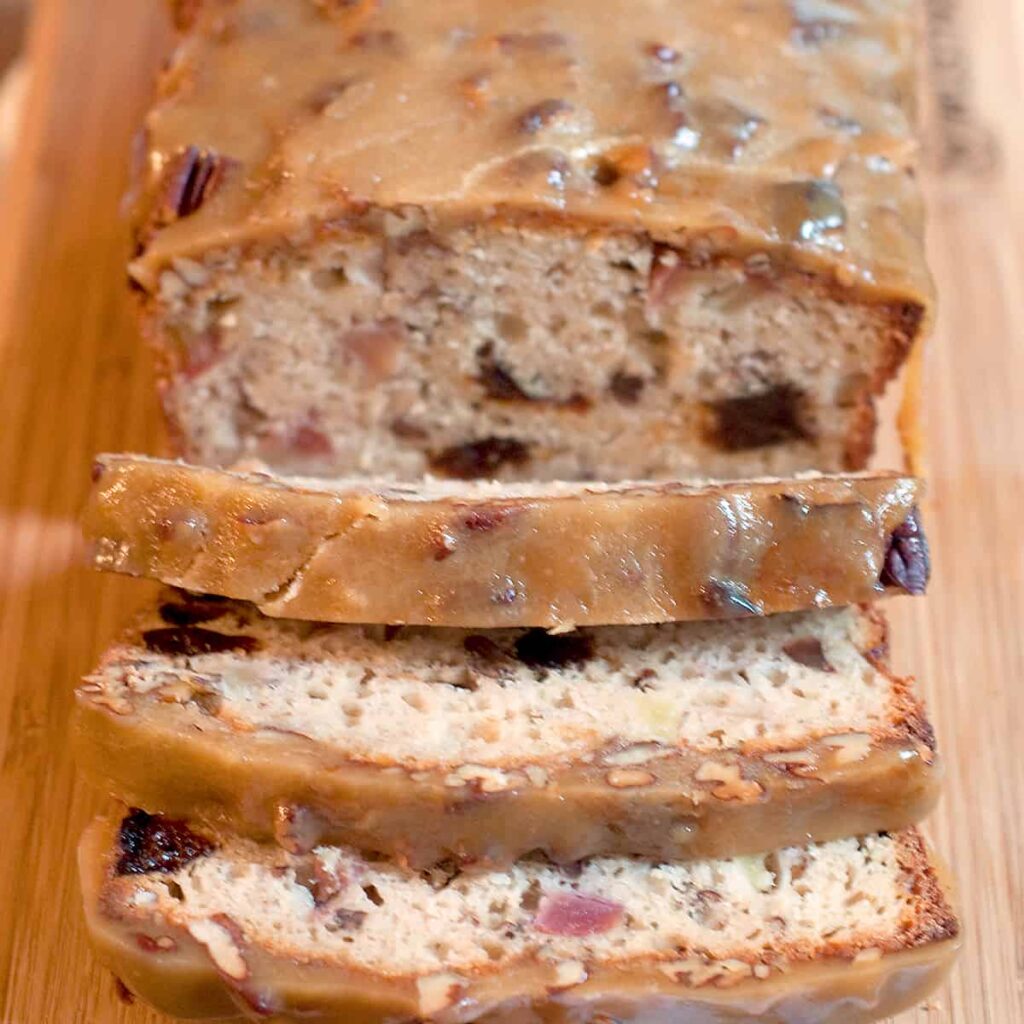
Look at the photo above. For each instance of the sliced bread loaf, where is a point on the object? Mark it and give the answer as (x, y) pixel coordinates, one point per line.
(431, 745)
(207, 925)
(509, 239)
(486, 555)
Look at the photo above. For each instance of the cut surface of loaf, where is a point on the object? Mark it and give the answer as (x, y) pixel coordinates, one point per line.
(437, 745)
(200, 923)
(490, 554)
(489, 239)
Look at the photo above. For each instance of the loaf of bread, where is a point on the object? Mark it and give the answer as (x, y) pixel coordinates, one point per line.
(517, 240)
(486, 555)
(441, 745)
(204, 925)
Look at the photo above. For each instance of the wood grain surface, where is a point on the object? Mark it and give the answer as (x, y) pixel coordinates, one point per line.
(75, 380)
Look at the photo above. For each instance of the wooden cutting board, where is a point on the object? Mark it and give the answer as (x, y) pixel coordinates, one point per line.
(75, 380)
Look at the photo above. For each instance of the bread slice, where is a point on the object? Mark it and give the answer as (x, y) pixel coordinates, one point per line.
(208, 925)
(488, 555)
(432, 745)
(489, 239)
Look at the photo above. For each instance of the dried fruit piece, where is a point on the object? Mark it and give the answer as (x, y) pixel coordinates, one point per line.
(497, 381)
(189, 179)
(309, 440)
(576, 914)
(480, 458)
(150, 842)
(484, 518)
(344, 920)
(907, 561)
(662, 53)
(807, 650)
(324, 95)
(192, 610)
(756, 421)
(541, 649)
(322, 883)
(729, 597)
(483, 647)
(637, 163)
(377, 40)
(627, 387)
(376, 348)
(542, 115)
(190, 641)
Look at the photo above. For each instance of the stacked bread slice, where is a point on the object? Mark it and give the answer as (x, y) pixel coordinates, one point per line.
(393, 819)
(504, 711)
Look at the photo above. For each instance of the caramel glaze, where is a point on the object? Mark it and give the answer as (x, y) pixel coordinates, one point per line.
(569, 555)
(276, 786)
(737, 127)
(165, 965)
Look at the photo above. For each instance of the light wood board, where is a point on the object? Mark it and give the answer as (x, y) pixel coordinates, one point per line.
(74, 380)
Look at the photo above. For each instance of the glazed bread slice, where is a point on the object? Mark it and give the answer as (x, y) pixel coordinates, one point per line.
(476, 748)
(492, 239)
(207, 925)
(489, 555)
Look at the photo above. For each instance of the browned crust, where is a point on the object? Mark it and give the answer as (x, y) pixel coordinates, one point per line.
(935, 920)
(860, 440)
(844, 987)
(373, 556)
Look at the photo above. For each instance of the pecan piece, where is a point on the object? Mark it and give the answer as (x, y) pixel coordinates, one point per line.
(731, 784)
(221, 937)
(437, 992)
(297, 829)
(629, 778)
